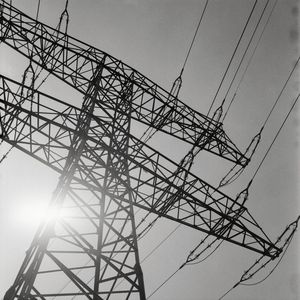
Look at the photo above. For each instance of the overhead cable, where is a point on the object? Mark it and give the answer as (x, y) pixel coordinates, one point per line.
(38, 10)
(233, 54)
(234, 173)
(148, 134)
(277, 99)
(185, 263)
(173, 95)
(194, 37)
(250, 60)
(259, 264)
(283, 123)
(246, 49)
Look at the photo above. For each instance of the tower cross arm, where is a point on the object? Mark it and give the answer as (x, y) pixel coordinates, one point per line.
(75, 62)
(157, 184)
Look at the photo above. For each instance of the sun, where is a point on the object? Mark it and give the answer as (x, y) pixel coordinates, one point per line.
(33, 213)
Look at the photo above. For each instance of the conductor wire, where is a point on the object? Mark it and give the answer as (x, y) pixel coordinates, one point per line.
(194, 37)
(250, 60)
(271, 111)
(283, 123)
(231, 59)
(38, 10)
(275, 103)
(247, 48)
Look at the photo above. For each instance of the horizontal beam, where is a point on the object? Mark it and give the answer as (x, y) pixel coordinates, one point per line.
(43, 127)
(75, 62)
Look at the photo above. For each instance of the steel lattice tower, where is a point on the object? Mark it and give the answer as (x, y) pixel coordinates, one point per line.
(105, 171)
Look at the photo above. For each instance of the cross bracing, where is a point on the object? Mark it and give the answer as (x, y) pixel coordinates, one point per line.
(105, 171)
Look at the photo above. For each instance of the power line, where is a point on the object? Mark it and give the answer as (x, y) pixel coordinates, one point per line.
(257, 266)
(294, 103)
(275, 103)
(148, 134)
(250, 60)
(38, 10)
(175, 88)
(283, 123)
(234, 176)
(194, 37)
(247, 48)
(271, 111)
(165, 281)
(161, 242)
(233, 54)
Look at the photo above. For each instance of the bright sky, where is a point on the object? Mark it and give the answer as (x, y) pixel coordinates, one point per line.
(153, 37)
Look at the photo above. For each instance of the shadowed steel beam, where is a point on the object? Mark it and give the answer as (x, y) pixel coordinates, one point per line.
(74, 62)
(157, 183)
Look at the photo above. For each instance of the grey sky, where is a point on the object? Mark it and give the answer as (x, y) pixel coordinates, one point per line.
(153, 37)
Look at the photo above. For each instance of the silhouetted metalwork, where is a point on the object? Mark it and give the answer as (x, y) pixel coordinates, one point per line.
(91, 250)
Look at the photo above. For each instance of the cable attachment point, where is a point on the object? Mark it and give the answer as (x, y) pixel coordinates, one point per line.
(64, 18)
(253, 145)
(29, 77)
(242, 197)
(218, 112)
(177, 84)
(263, 261)
(235, 172)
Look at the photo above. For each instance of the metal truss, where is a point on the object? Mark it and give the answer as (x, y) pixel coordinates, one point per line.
(91, 251)
(44, 127)
(75, 62)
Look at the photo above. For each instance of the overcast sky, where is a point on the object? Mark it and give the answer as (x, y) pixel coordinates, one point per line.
(153, 36)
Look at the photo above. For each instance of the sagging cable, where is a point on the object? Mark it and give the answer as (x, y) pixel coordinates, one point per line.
(194, 255)
(283, 242)
(235, 172)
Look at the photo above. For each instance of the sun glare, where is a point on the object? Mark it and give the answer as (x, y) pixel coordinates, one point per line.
(34, 214)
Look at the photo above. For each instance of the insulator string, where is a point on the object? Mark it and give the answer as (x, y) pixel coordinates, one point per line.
(38, 10)
(294, 103)
(247, 275)
(262, 128)
(270, 273)
(65, 12)
(37, 15)
(151, 131)
(207, 256)
(233, 55)
(24, 74)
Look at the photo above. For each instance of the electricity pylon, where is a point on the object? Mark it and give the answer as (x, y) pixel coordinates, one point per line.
(90, 251)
